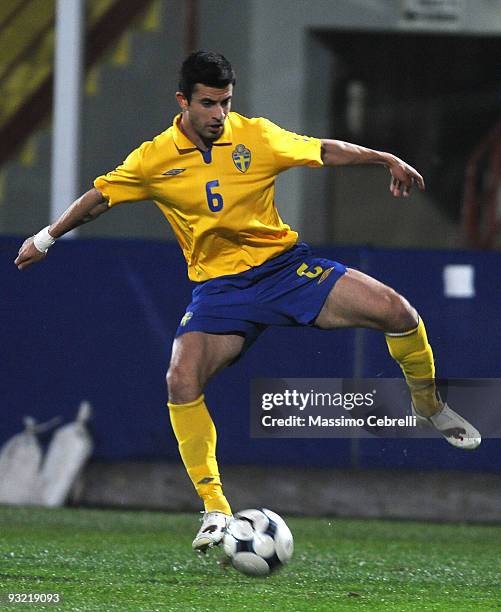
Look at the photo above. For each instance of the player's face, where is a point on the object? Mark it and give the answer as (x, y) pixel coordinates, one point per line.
(207, 110)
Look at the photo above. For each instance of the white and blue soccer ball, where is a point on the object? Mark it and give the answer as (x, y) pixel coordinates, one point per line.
(258, 542)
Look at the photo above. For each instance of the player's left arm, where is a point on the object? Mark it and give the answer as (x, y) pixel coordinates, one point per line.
(403, 176)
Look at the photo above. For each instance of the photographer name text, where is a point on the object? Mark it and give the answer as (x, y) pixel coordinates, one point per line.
(318, 421)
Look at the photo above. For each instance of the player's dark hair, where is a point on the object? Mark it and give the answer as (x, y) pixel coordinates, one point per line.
(207, 68)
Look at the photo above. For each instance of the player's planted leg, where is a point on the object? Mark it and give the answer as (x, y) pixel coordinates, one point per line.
(196, 356)
(196, 436)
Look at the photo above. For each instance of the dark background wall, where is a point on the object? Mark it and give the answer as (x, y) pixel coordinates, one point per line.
(96, 320)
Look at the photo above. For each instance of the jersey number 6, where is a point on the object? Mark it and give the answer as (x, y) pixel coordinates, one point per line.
(214, 200)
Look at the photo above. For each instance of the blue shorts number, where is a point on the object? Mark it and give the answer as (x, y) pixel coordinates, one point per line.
(304, 271)
(214, 200)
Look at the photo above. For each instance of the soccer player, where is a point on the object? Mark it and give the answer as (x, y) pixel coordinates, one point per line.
(212, 174)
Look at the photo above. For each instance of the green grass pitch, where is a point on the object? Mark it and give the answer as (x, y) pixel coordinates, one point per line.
(112, 560)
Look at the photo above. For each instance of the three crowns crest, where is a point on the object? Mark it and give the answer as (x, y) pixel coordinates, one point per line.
(241, 157)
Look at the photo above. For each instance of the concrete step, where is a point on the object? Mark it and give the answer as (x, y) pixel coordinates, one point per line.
(389, 494)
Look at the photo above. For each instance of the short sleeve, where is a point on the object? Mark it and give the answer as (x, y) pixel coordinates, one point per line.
(126, 183)
(292, 149)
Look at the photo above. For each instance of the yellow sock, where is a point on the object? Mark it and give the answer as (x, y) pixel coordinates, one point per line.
(413, 353)
(196, 436)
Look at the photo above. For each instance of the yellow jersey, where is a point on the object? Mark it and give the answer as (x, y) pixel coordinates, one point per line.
(220, 203)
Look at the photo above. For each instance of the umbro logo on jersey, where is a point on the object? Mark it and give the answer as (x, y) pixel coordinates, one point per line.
(173, 172)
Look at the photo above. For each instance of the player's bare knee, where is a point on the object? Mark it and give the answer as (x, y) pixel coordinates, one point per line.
(401, 316)
(182, 385)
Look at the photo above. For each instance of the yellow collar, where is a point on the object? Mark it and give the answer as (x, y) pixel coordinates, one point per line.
(182, 141)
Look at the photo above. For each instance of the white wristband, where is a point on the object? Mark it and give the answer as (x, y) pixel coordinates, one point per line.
(43, 240)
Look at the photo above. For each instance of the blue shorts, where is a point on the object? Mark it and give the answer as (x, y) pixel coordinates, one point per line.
(287, 290)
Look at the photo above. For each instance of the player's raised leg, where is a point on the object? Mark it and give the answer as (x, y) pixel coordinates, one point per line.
(196, 356)
(358, 300)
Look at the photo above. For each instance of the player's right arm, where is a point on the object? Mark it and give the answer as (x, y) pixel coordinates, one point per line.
(84, 209)
(127, 183)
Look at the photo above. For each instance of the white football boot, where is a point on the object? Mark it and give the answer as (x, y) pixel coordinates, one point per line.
(455, 429)
(212, 530)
